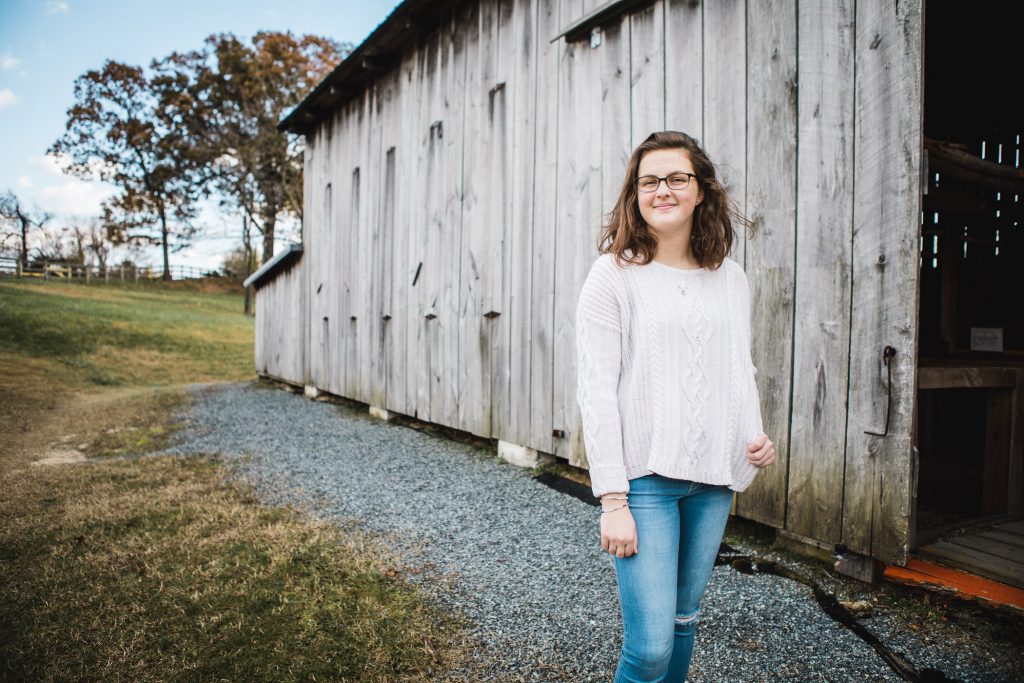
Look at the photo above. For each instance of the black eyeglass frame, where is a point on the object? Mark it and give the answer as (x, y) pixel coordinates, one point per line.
(690, 177)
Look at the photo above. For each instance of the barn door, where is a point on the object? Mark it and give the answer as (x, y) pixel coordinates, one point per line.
(878, 482)
(842, 412)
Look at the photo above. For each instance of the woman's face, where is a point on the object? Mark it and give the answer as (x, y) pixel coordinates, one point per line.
(666, 210)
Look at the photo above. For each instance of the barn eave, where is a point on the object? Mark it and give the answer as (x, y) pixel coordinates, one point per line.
(276, 265)
(407, 23)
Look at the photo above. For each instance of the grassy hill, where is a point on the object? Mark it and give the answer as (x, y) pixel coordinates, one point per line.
(140, 335)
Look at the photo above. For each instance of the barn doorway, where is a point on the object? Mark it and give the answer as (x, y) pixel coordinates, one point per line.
(970, 412)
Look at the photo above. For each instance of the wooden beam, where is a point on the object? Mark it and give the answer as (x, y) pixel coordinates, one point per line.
(967, 377)
(956, 155)
(953, 160)
(955, 169)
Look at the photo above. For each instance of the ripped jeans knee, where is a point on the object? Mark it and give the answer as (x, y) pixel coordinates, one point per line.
(687, 622)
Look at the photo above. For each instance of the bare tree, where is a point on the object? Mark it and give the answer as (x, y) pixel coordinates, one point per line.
(55, 245)
(78, 241)
(97, 243)
(19, 221)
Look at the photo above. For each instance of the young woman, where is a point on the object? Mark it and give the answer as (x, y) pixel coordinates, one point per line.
(671, 420)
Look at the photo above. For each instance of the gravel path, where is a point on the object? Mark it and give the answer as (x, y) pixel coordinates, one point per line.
(522, 560)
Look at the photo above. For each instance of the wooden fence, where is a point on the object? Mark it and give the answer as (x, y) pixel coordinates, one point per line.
(60, 270)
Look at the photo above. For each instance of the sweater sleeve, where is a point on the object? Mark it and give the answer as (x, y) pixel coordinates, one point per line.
(750, 413)
(752, 419)
(599, 347)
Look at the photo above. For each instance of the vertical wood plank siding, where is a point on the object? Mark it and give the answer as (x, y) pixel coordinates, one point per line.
(501, 118)
(821, 348)
(725, 91)
(684, 67)
(578, 218)
(647, 71)
(298, 343)
(320, 253)
(372, 263)
(433, 216)
(450, 235)
(279, 324)
(519, 71)
(398, 273)
(475, 341)
(412, 324)
(453, 209)
(771, 206)
(545, 198)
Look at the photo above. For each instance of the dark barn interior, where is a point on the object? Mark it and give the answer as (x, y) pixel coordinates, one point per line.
(970, 487)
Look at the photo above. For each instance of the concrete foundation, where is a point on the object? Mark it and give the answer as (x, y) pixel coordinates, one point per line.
(522, 456)
(380, 413)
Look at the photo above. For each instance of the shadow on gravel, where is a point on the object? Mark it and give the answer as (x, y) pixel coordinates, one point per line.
(747, 565)
(828, 602)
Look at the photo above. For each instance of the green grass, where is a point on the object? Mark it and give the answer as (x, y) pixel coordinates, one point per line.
(163, 572)
(157, 568)
(126, 333)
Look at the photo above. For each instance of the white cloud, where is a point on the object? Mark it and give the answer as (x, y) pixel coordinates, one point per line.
(57, 7)
(60, 194)
(52, 165)
(8, 62)
(73, 197)
(7, 97)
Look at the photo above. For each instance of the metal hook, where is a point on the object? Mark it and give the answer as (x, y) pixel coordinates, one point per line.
(887, 353)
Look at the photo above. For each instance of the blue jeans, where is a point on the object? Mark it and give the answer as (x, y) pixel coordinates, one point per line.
(679, 526)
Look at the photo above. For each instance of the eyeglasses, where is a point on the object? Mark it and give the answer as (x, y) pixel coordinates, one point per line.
(675, 181)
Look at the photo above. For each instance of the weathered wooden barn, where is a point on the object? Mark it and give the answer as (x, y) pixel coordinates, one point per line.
(459, 162)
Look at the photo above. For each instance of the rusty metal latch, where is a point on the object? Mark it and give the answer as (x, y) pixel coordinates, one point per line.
(887, 354)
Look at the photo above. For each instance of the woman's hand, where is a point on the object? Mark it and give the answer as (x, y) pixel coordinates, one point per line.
(618, 533)
(761, 452)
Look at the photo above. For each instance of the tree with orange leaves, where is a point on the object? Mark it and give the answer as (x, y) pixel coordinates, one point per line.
(231, 96)
(118, 131)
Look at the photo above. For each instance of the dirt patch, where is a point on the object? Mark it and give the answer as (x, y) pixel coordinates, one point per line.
(60, 456)
(46, 414)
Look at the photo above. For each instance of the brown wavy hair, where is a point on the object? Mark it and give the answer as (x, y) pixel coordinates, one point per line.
(713, 218)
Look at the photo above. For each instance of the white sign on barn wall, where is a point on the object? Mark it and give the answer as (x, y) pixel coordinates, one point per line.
(986, 339)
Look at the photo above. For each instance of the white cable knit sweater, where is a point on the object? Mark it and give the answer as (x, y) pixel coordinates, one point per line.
(666, 383)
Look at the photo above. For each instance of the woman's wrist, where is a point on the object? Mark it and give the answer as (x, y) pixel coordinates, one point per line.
(614, 501)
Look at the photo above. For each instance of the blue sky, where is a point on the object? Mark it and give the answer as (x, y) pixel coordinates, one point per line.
(46, 44)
